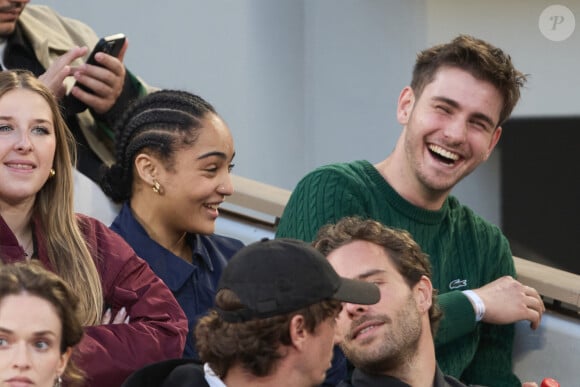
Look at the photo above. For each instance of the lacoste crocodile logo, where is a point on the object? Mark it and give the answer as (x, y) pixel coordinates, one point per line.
(457, 283)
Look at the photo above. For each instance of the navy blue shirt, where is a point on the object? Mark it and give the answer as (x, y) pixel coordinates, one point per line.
(193, 285)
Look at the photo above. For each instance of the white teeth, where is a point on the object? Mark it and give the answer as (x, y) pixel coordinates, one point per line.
(213, 206)
(366, 329)
(21, 166)
(443, 152)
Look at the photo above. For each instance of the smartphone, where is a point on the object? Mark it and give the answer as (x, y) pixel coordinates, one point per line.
(111, 45)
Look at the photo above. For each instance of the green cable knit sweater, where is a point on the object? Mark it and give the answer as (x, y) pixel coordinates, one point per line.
(466, 252)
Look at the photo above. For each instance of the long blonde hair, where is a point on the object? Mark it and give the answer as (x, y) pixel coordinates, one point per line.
(67, 249)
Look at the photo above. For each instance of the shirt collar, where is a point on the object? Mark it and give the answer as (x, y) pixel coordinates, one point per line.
(173, 270)
(211, 378)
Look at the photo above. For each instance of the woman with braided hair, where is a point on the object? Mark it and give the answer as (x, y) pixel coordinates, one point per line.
(172, 171)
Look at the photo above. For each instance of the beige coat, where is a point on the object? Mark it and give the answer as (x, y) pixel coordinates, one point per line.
(52, 35)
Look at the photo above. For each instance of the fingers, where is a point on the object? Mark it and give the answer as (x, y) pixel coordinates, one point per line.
(106, 317)
(533, 293)
(122, 317)
(536, 308)
(105, 82)
(121, 55)
(61, 68)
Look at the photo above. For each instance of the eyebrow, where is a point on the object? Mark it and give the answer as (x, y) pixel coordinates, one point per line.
(44, 333)
(369, 273)
(36, 120)
(456, 105)
(39, 333)
(221, 155)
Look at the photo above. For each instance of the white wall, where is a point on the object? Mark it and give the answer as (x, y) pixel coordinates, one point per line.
(307, 82)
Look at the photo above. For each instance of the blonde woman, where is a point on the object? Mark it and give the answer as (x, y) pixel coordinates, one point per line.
(130, 317)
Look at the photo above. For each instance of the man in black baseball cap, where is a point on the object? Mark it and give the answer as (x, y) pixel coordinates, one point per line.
(274, 321)
(275, 315)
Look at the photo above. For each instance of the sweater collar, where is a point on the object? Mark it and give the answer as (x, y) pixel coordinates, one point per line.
(401, 204)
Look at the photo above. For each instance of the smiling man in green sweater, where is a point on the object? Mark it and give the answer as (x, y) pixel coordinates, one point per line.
(452, 112)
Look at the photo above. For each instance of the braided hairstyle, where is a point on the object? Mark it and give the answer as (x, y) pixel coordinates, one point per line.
(160, 122)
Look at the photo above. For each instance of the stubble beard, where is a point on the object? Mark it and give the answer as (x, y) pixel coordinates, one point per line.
(395, 350)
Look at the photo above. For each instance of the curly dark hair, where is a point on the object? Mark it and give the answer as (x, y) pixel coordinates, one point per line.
(400, 247)
(255, 345)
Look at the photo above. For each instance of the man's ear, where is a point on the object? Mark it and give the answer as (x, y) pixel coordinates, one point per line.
(494, 140)
(146, 167)
(405, 105)
(423, 292)
(298, 331)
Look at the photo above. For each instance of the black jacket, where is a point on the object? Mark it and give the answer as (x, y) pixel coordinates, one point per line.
(169, 373)
(362, 379)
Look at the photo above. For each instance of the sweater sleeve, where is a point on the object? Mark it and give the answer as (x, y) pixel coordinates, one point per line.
(157, 327)
(492, 362)
(458, 317)
(323, 196)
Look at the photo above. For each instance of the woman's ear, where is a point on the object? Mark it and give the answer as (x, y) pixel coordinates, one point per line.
(146, 167)
(64, 358)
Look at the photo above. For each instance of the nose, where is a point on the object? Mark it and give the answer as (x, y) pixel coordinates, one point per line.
(226, 188)
(355, 310)
(23, 144)
(21, 359)
(456, 131)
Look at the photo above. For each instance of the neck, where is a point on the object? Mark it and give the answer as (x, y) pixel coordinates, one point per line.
(281, 377)
(172, 240)
(19, 220)
(396, 170)
(420, 370)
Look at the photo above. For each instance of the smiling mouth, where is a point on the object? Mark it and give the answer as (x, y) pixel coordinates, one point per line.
(20, 166)
(443, 155)
(356, 334)
(212, 206)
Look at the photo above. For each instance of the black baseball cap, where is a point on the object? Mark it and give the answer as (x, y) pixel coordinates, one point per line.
(278, 276)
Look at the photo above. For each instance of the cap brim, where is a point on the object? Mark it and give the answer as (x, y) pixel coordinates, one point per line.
(357, 292)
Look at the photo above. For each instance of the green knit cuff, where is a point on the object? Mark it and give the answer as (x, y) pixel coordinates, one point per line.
(458, 317)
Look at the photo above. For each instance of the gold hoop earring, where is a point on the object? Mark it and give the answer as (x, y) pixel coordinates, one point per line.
(156, 187)
(52, 172)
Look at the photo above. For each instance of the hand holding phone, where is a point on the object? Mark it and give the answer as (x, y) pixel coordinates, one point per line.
(111, 45)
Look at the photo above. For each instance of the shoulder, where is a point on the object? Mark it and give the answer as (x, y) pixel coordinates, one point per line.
(350, 170)
(335, 178)
(105, 244)
(170, 373)
(466, 217)
(44, 22)
(95, 229)
(40, 12)
(223, 242)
